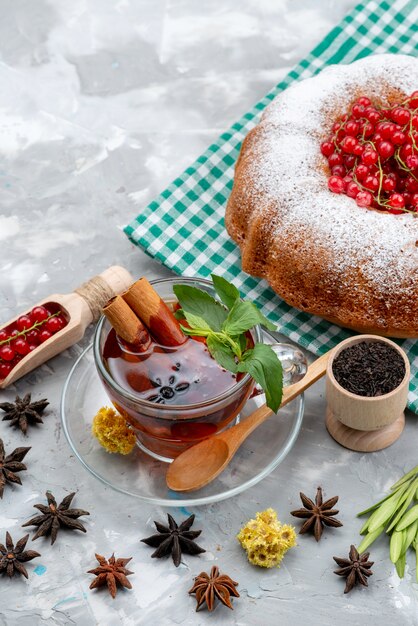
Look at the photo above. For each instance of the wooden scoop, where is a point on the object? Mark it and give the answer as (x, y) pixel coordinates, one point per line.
(200, 464)
(80, 308)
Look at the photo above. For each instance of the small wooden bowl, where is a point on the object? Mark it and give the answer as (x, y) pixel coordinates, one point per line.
(362, 423)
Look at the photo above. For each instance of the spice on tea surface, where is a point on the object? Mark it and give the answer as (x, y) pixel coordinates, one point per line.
(266, 540)
(369, 368)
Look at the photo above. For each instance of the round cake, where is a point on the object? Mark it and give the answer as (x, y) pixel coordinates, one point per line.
(323, 252)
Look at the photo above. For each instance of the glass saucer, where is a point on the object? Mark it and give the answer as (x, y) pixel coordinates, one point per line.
(143, 477)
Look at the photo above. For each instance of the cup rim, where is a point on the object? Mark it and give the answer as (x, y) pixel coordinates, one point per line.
(169, 408)
(368, 339)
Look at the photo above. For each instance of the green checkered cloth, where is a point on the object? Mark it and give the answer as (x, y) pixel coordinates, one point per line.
(184, 227)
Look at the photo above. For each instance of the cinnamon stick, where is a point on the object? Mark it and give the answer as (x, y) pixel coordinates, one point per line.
(153, 311)
(126, 323)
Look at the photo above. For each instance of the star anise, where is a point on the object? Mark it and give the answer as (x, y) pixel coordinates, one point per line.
(174, 539)
(207, 588)
(23, 412)
(55, 516)
(356, 569)
(11, 464)
(12, 556)
(111, 572)
(318, 514)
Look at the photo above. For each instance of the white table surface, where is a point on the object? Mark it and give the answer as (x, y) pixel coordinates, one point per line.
(102, 104)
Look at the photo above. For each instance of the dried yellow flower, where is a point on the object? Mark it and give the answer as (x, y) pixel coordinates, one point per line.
(112, 431)
(266, 540)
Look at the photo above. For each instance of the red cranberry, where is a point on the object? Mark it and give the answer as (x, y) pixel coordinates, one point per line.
(385, 129)
(23, 322)
(364, 101)
(348, 144)
(5, 369)
(372, 183)
(336, 184)
(361, 171)
(398, 137)
(53, 325)
(3, 335)
(369, 157)
(358, 110)
(44, 335)
(39, 314)
(414, 122)
(411, 184)
(412, 161)
(413, 100)
(372, 115)
(396, 201)
(401, 116)
(338, 170)
(327, 148)
(33, 336)
(388, 184)
(349, 161)
(352, 189)
(406, 151)
(7, 353)
(385, 149)
(335, 159)
(352, 128)
(364, 199)
(21, 346)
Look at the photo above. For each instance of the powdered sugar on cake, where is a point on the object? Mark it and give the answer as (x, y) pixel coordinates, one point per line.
(288, 171)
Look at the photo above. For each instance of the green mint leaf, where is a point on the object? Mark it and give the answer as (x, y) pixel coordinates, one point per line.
(196, 322)
(243, 316)
(200, 303)
(242, 341)
(227, 292)
(195, 332)
(222, 353)
(179, 314)
(263, 364)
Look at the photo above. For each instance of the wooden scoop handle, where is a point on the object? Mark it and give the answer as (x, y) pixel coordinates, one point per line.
(98, 290)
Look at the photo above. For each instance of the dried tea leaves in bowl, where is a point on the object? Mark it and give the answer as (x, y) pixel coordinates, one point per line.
(369, 369)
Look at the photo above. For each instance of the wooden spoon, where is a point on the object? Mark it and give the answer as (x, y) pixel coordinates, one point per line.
(199, 465)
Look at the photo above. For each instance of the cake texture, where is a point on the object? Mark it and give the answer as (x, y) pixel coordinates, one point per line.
(320, 252)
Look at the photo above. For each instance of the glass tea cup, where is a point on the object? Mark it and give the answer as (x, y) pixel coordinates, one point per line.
(166, 430)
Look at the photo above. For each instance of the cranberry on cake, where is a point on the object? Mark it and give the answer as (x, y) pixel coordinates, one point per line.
(325, 198)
